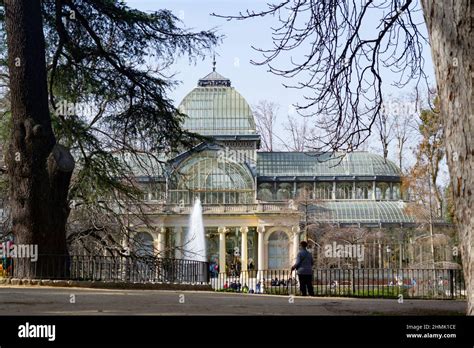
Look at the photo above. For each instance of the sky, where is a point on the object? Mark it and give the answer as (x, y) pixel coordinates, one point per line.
(234, 54)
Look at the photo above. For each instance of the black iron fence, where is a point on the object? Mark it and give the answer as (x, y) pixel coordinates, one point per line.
(109, 268)
(363, 282)
(380, 283)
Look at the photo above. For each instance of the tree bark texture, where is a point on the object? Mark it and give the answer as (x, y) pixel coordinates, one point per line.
(449, 26)
(39, 169)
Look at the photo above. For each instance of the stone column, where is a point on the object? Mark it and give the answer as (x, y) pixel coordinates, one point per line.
(160, 243)
(125, 275)
(222, 252)
(244, 249)
(261, 249)
(179, 232)
(296, 241)
(125, 245)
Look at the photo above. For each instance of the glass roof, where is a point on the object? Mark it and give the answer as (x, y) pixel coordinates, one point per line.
(361, 212)
(215, 108)
(324, 164)
(207, 171)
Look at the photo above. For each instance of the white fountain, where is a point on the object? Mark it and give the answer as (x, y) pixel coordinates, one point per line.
(195, 240)
(195, 248)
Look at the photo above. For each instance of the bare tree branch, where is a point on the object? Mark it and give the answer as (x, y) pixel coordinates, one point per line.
(342, 68)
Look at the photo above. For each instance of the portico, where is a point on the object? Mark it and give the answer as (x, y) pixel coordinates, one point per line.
(250, 246)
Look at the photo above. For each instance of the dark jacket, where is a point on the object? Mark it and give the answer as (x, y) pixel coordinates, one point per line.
(304, 262)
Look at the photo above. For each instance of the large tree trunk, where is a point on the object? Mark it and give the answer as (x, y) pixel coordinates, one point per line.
(449, 25)
(39, 169)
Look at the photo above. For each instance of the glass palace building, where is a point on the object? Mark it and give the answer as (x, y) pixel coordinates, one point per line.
(252, 200)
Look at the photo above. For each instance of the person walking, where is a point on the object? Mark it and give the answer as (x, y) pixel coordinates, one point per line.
(304, 269)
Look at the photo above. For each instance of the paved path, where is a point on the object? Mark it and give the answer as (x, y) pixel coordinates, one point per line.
(57, 301)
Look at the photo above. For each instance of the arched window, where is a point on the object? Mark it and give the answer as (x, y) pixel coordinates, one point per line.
(344, 191)
(363, 190)
(216, 180)
(278, 253)
(304, 191)
(396, 192)
(284, 192)
(143, 244)
(388, 193)
(212, 244)
(323, 191)
(382, 191)
(265, 192)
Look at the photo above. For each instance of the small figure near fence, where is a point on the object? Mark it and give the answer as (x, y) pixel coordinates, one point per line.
(412, 287)
(283, 282)
(277, 282)
(304, 269)
(214, 269)
(6, 262)
(235, 286)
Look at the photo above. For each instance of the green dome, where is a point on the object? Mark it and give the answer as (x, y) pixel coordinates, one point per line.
(215, 108)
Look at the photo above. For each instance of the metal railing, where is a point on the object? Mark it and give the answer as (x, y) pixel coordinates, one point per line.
(217, 208)
(109, 268)
(355, 282)
(376, 283)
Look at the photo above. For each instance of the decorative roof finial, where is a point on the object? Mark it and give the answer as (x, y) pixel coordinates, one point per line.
(214, 79)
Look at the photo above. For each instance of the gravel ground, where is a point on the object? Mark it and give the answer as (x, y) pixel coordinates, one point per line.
(80, 301)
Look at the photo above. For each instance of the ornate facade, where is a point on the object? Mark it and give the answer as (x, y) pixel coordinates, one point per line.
(251, 200)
